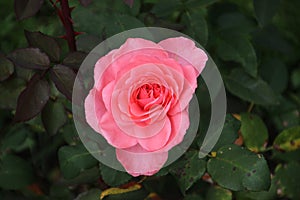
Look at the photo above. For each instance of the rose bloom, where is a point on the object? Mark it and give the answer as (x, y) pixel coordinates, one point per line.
(140, 98)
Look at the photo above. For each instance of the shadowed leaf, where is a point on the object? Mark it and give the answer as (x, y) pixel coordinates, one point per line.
(53, 117)
(32, 100)
(74, 59)
(239, 50)
(74, 159)
(265, 10)
(15, 173)
(188, 170)
(288, 179)
(85, 2)
(64, 78)
(113, 177)
(6, 68)
(46, 43)
(250, 89)
(27, 8)
(31, 58)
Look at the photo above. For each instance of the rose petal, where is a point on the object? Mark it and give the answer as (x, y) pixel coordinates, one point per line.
(108, 66)
(185, 51)
(180, 123)
(90, 110)
(113, 134)
(135, 44)
(107, 93)
(137, 161)
(102, 66)
(159, 140)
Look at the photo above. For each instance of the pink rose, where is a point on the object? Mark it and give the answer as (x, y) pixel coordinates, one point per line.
(139, 101)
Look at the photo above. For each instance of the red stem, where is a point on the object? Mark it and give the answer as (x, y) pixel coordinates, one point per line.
(65, 17)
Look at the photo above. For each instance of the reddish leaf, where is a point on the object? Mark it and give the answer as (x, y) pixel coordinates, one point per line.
(64, 78)
(74, 59)
(33, 99)
(85, 2)
(31, 58)
(129, 2)
(27, 8)
(44, 42)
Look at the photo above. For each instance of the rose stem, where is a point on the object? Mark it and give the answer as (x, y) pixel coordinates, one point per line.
(65, 17)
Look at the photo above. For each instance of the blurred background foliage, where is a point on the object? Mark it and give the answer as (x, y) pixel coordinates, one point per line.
(256, 46)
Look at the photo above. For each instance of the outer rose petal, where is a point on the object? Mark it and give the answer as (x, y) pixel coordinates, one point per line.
(185, 51)
(90, 110)
(180, 123)
(113, 134)
(105, 70)
(137, 161)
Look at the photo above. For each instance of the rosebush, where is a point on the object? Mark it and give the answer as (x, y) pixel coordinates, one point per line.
(256, 46)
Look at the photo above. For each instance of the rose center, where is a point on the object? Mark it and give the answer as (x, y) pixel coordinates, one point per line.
(149, 95)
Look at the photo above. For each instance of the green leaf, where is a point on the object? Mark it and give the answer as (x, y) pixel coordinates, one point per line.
(15, 173)
(60, 192)
(92, 194)
(218, 193)
(64, 78)
(32, 100)
(288, 178)
(254, 132)
(113, 177)
(31, 58)
(236, 168)
(191, 4)
(86, 43)
(74, 59)
(9, 92)
(53, 117)
(196, 27)
(107, 6)
(70, 134)
(265, 10)
(165, 8)
(188, 170)
(88, 176)
(88, 21)
(229, 22)
(286, 156)
(229, 133)
(288, 140)
(238, 50)
(263, 195)
(45, 43)
(285, 115)
(14, 138)
(275, 73)
(74, 159)
(250, 89)
(116, 23)
(6, 68)
(27, 8)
